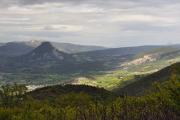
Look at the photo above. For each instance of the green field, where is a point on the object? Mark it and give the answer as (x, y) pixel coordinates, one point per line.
(33, 79)
(107, 79)
(120, 78)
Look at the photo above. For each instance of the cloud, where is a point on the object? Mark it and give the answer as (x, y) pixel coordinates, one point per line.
(100, 22)
(117, 3)
(55, 27)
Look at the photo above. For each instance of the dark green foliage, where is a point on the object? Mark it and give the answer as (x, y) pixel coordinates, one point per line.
(54, 91)
(11, 95)
(161, 104)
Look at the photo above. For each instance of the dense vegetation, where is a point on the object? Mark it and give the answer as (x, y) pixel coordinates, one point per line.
(85, 103)
(140, 86)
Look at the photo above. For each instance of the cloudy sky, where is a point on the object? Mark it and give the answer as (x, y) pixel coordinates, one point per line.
(112, 23)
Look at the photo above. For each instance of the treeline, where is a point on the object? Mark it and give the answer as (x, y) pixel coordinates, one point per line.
(161, 104)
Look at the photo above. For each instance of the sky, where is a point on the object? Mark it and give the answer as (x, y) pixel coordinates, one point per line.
(110, 23)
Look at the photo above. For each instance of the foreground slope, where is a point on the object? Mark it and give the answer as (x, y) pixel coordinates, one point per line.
(88, 103)
(140, 86)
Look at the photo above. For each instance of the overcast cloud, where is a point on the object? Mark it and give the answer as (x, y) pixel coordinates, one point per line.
(112, 23)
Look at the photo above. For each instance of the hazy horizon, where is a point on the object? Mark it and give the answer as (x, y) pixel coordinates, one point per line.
(168, 44)
(110, 23)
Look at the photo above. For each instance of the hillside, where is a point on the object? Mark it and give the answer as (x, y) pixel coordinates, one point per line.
(131, 67)
(52, 92)
(146, 82)
(88, 103)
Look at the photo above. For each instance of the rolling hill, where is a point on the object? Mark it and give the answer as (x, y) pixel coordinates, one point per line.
(57, 90)
(139, 87)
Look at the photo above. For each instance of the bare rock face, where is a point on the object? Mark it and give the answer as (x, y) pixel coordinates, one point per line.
(142, 60)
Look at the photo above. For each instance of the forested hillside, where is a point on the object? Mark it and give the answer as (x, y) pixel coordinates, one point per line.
(89, 103)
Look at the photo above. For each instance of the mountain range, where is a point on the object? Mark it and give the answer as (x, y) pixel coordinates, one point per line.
(46, 59)
(23, 47)
(44, 63)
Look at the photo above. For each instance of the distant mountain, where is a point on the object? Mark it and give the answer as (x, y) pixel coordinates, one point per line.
(23, 47)
(14, 49)
(41, 59)
(113, 57)
(154, 59)
(1, 44)
(46, 53)
(165, 52)
(46, 59)
(66, 47)
(74, 48)
(145, 83)
(116, 52)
